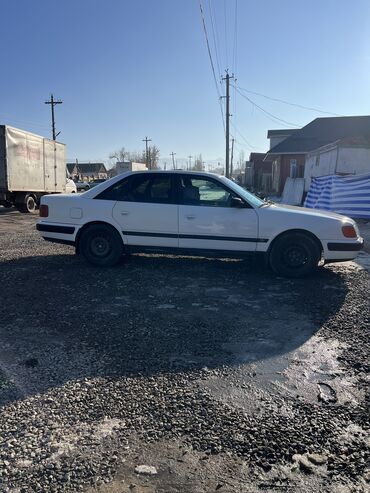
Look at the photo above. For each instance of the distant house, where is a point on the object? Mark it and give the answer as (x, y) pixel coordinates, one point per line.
(87, 171)
(296, 147)
(72, 169)
(259, 172)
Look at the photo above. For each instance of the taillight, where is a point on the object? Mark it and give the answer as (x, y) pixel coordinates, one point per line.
(349, 231)
(44, 210)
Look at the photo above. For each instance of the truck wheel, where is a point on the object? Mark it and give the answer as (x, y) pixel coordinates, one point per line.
(101, 245)
(294, 255)
(28, 205)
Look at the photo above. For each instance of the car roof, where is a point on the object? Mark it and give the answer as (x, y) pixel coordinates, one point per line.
(174, 171)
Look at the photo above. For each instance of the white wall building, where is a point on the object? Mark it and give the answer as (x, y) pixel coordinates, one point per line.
(343, 157)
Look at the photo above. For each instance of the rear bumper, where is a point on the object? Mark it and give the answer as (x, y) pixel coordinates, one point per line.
(53, 228)
(58, 233)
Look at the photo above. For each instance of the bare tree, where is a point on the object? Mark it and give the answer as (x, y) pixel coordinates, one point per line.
(153, 156)
(198, 163)
(120, 155)
(123, 154)
(241, 159)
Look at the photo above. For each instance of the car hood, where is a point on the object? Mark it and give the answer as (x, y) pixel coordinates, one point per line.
(309, 212)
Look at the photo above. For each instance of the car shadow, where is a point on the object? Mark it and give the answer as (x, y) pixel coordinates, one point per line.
(62, 319)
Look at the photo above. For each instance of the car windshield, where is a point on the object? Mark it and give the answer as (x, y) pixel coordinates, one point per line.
(248, 196)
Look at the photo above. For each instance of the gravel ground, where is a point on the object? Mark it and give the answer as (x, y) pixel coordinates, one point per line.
(216, 375)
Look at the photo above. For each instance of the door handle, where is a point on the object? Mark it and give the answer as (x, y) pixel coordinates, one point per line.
(190, 217)
(124, 213)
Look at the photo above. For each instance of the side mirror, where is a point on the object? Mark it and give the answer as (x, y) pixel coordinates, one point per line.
(237, 202)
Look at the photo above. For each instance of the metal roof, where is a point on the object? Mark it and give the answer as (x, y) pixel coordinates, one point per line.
(323, 131)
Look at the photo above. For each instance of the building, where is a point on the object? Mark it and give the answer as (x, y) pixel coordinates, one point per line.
(350, 155)
(284, 164)
(258, 172)
(290, 149)
(87, 171)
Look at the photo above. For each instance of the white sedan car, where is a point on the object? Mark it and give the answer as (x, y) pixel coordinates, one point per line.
(191, 213)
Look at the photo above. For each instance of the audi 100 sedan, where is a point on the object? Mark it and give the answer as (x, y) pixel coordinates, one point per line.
(191, 213)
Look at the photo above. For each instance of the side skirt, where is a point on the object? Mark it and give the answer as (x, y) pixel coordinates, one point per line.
(194, 252)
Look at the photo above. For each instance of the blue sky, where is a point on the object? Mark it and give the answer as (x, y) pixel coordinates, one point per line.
(127, 69)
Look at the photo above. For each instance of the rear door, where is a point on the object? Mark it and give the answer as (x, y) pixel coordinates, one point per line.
(147, 212)
(207, 219)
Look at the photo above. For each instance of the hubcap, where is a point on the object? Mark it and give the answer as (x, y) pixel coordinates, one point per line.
(100, 246)
(31, 204)
(295, 256)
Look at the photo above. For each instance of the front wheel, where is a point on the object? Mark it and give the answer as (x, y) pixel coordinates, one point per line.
(294, 255)
(101, 245)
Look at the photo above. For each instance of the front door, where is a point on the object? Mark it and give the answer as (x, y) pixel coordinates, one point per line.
(207, 219)
(147, 212)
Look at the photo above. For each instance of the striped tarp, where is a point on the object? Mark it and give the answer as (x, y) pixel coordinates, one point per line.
(348, 195)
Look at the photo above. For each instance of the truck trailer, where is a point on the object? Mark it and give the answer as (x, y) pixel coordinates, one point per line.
(30, 167)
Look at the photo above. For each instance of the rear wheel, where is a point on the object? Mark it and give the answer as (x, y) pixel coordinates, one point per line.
(101, 245)
(294, 255)
(28, 205)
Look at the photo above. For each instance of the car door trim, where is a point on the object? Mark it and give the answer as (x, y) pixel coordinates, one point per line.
(197, 237)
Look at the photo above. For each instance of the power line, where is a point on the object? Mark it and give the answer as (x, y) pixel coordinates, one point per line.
(211, 60)
(251, 146)
(289, 103)
(226, 40)
(285, 122)
(235, 45)
(215, 37)
(24, 122)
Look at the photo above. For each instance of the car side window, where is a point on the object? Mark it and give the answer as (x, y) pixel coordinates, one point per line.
(116, 191)
(146, 187)
(204, 192)
(138, 190)
(161, 189)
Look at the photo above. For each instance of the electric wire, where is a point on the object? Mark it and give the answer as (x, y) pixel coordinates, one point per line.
(249, 144)
(271, 115)
(211, 61)
(226, 37)
(289, 103)
(216, 42)
(24, 122)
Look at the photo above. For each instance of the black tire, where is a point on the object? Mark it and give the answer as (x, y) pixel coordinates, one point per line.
(101, 245)
(29, 205)
(294, 255)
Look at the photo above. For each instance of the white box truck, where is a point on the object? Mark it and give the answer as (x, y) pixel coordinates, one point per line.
(124, 166)
(30, 167)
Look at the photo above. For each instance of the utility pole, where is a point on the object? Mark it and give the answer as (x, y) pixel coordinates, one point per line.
(190, 162)
(173, 154)
(232, 156)
(53, 103)
(146, 140)
(227, 160)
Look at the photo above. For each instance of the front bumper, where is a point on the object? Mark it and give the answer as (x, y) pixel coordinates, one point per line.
(346, 247)
(342, 250)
